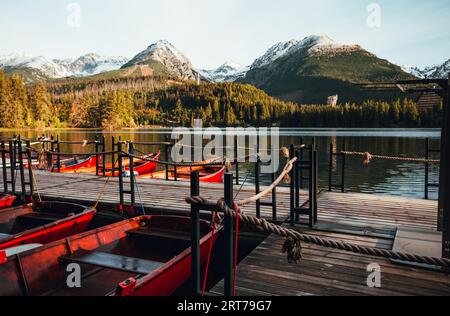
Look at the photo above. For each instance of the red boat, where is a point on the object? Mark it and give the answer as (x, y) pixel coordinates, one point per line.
(141, 167)
(42, 223)
(144, 256)
(74, 165)
(6, 200)
(210, 173)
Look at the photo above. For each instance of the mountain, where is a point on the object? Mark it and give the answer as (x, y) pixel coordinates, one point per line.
(42, 68)
(228, 72)
(162, 58)
(432, 72)
(311, 69)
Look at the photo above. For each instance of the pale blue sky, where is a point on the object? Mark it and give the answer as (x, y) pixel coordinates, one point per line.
(209, 32)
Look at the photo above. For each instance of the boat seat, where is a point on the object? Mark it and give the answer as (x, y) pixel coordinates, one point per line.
(4, 236)
(160, 233)
(112, 261)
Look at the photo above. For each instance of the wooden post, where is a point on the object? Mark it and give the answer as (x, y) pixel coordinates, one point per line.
(229, 238)
(444, 196)
(195, 234)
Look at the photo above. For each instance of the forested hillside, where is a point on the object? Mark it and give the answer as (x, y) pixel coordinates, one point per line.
(143, 101)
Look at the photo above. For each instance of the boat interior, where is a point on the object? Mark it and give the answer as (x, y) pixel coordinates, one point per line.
(22, 218)
(140, 252)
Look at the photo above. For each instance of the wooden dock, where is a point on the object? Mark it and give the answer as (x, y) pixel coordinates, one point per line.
(155, 195)
(363, 219)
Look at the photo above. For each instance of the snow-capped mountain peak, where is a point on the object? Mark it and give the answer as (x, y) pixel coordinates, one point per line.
(230, 71)
(310, 44)
(275, 52)
(439, 71)
(175, 63)
(88, 64)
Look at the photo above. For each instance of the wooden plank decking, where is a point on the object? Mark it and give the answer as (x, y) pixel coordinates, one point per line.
(156, 195)
(355, 218)
(358, 218)
(265, 272)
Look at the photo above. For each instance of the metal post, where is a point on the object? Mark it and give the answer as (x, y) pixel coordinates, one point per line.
(344, 148)
(4, 170)
(274, 198)
(58, 155)
(96, 157)
(30, 169)
(427, 167)
(132, 177)
(21, 170)
(330, 169)
(52, 149)
(166, 157)
(257, 183)
(236, 159)
(229, 238)
(195, 234)
(103, 156)
(316, 182)
(312, 185)
(120, 170)
(298, 174)
(113, 156)
(292, 186)
(445, 169)
(12, 164)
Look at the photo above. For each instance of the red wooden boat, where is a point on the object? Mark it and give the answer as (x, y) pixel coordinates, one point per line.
(6, 200)
(144, 256)
(210, 174)
(42, 223)
(141, 167)
(74, 165)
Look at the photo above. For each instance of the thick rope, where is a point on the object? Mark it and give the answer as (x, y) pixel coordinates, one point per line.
(287, 169)
(368, 157)
(293, 239)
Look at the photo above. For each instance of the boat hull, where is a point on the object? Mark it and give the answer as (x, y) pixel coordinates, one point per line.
(90, 162)
(46, 274)
(71, 225)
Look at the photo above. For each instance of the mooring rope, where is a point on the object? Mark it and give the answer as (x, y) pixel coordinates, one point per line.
(292, 245)
(368, 157)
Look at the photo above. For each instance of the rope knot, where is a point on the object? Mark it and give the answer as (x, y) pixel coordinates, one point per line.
(293, 249)
(367, 157)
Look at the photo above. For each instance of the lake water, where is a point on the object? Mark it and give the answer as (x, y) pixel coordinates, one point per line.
(380, 177)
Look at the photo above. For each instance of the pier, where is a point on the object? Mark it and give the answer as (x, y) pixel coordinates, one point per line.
(404, 225)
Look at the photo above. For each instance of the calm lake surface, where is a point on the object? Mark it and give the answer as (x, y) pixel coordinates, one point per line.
(380, 177)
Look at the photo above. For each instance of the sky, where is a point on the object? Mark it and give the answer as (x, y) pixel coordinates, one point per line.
(210, 32)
